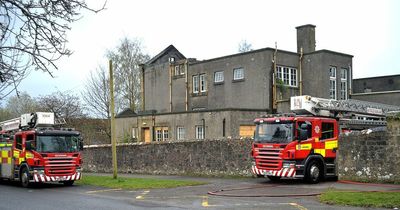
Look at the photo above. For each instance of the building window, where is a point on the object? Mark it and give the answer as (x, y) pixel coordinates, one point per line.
(223, 127)
(238, 74)
(332, 82)
(162, 134)
(158, 135)
(279, 73)
(180, 133)
(287, 75)
(203, 83)
(218, 76)
(293, 77)
(179, 70)
(165, 134)
(199, 132)
(343, 84)
(134, 132)
(196, 84)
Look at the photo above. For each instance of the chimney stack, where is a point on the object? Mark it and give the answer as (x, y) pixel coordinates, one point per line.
(306, 38)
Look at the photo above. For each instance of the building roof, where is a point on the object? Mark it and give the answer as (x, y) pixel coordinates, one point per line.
(165, 52)
(379, 77)
(126, 113)
(243, 53)
(307, 25)
(329, 51)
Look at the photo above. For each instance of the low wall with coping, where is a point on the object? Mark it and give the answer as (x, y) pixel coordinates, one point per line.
(362, 156)
(371, 156)
(198, 157)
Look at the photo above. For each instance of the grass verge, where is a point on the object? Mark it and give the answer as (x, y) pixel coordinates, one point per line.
(134, 183)
(362, 199)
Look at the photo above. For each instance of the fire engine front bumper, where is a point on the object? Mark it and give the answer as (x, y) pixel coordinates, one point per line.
(41, 177)
(284, 172)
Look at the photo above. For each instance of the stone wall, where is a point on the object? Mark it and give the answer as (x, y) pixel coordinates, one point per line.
(203, 157)
(371, 156)
(362, 156)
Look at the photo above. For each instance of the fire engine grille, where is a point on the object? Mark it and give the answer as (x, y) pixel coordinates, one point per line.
(60, 166)
(268, 158)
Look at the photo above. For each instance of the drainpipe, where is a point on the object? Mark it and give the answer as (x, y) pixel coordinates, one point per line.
(271, 89)
(141, 66)
(301, 72)
(204, 128)
(187, 85)
(274, 92)
(350, 81)
(153, 127)
(170, 87)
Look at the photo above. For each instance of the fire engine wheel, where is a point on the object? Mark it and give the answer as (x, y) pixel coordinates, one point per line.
(313, 172)
(24, 177)
(68, 183)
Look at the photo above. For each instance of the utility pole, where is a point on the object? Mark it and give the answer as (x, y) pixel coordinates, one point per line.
(113, 140)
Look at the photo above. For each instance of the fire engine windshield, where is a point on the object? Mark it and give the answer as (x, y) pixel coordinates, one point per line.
(274, 133)
(57, 143)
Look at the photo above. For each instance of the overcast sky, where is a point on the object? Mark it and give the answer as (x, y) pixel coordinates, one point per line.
(368, 30)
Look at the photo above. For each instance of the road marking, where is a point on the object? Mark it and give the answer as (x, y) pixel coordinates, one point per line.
(141, 196)
(298, 206)
(99, 191)
(204, 203)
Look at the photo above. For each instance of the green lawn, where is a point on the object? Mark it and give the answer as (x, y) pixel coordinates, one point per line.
(363, 199)
(134, 183)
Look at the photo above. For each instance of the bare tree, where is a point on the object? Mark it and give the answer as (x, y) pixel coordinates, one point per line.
(63, 105)
(126, 59)
(244, 46)
(96, 96)
(22, 104)
(33, 37)
(5, 114)
(96, 93)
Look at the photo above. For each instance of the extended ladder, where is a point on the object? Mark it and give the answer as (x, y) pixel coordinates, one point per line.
(351, 113)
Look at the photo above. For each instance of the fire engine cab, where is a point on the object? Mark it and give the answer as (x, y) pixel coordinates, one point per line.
(304, 144)
(33, 150)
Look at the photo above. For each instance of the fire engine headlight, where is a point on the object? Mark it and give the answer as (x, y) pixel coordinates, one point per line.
(40, 172)
(79, 170)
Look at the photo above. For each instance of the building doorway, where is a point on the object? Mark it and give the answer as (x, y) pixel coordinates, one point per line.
(146, 135)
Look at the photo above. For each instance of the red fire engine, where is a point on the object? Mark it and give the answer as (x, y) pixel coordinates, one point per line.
(34, 150)
(304, 144)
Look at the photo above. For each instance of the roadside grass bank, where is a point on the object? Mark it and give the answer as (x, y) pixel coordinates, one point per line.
(134, 183)
(361, 199)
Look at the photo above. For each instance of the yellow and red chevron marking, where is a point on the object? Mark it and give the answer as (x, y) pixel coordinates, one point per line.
(44, 178)
(18, 157)
(6, 156)
(284, 172)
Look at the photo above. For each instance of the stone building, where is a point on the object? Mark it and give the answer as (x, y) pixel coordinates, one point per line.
(185, 98)
(384, 89)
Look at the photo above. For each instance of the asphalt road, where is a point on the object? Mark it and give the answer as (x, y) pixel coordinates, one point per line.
(229, 194)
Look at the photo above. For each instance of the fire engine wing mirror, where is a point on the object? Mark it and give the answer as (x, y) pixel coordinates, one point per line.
(303, 134)
(28, 145)
(303, 131)
(81, 144)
